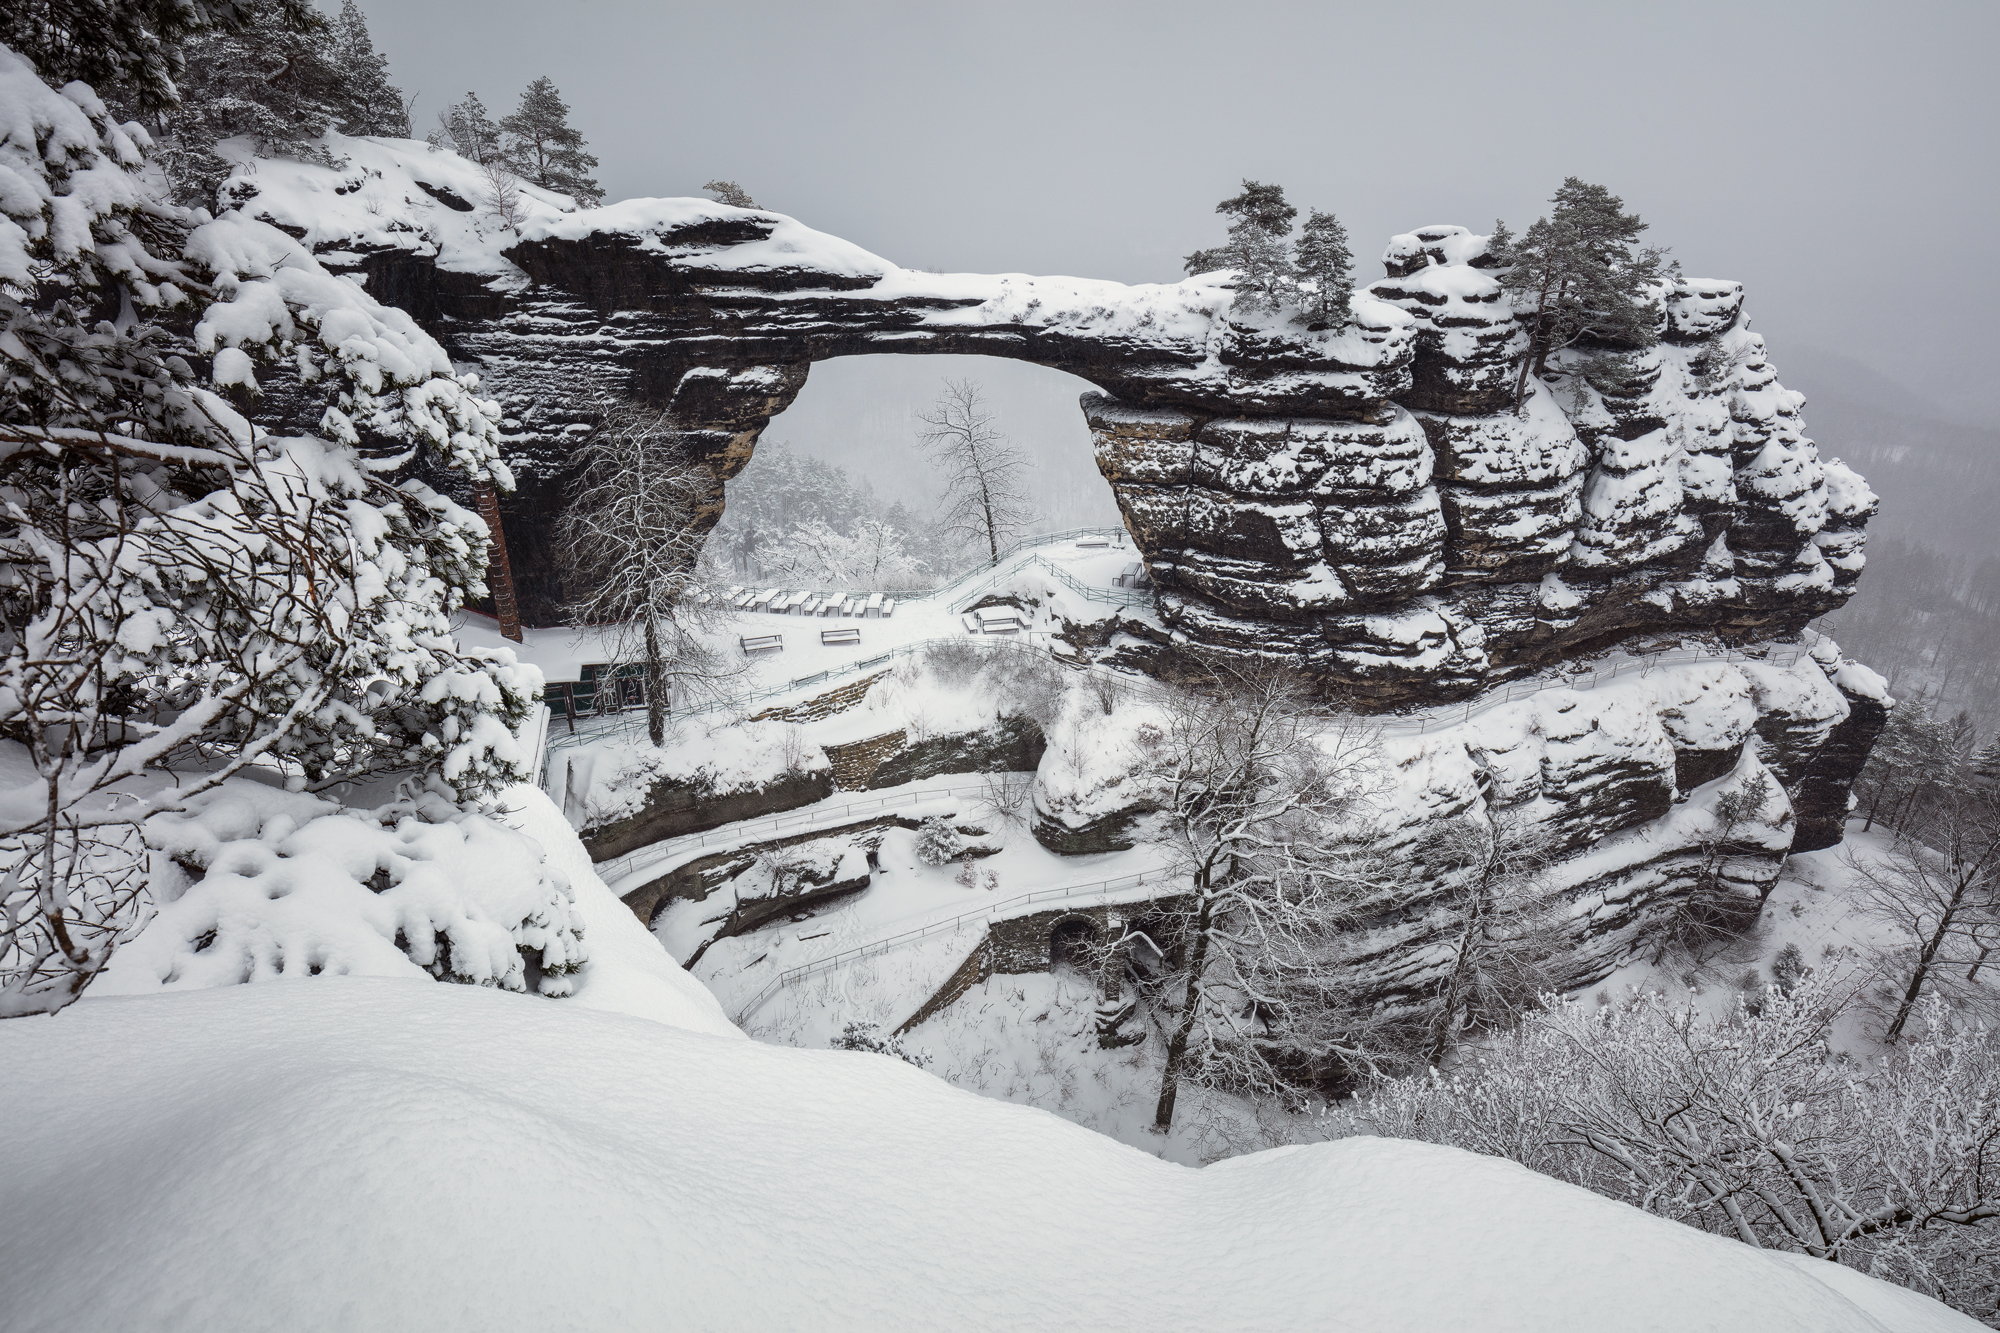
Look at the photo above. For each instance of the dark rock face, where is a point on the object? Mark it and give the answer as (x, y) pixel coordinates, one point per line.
(1012, 746)
(675, 808)
(1822, 794)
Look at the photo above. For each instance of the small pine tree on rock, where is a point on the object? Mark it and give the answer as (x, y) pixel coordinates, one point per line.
(729, 192)
(1266, 278)
(1985, 763)
(1499, 248)
(544, 149)
(466, 129)
(1325, 261)
(938, 843)
(1579, 274)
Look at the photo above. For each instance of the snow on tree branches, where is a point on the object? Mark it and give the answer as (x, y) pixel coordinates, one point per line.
(1317, 275)
(630, 543)
(1750, 1125)
(729, 192)
(985, 474)
(178, 588)
(282, 80)
(1579, 274)
(132, 48)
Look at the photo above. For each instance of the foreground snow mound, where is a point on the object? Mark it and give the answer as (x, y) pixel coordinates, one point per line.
(368, 1153)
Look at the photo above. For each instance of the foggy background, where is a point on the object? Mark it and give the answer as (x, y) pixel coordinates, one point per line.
(1836, 158)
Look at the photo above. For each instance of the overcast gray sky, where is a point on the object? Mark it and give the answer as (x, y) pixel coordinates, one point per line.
(1838, 158)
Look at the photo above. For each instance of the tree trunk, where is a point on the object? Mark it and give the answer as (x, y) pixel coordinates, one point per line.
(1923, 968)
(1163, 1115)
(656, 687)
(499, 572)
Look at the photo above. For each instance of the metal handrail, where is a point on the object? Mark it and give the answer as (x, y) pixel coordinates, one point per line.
(618, 867)
(991, 913)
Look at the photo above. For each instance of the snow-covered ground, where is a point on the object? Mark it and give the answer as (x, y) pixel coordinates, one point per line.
(561, 653)
(366, 1153)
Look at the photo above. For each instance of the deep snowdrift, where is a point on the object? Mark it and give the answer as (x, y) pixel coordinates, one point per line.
(364, 1153)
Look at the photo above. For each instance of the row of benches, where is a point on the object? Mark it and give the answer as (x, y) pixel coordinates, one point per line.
(766, 643)
(778, 602)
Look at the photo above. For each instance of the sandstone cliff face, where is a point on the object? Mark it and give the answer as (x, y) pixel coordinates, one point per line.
(1364, 502)
(1622, 783)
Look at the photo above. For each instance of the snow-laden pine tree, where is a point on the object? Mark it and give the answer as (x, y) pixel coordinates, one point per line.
(179, 592)
(284, 76)
(544, 149)
(370, 104)
(1580, 274)
(729, 192)
(938, 843)
(1266, 278)
(129, 51)
(273, 79)
(1327, 264)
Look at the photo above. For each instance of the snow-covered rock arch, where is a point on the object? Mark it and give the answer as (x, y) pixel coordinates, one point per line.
(1363, 501)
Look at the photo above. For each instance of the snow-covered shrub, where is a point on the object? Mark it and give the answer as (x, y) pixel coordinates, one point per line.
(178, 588)
(1750, 1126)
(859, 1036)
(938, 843)
(954, 661)
(291, 886)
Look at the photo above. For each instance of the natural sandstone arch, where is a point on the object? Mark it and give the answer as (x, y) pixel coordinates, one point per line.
(1363, 503)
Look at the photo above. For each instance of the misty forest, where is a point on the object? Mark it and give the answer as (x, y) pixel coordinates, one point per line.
(609, 718)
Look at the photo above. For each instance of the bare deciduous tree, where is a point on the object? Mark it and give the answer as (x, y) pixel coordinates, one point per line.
(1499, 920)
(984, 474)
(1262, 799)
(503, 195)
(1938, 887)
(631, 545)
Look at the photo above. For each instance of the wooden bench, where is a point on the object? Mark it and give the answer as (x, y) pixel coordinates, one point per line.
(888, 607)
(763, 643)
(1086, 543)
(835, 637)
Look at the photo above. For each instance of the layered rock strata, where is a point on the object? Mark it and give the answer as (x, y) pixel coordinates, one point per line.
(1366, 502)
(1621, 785)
